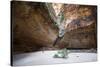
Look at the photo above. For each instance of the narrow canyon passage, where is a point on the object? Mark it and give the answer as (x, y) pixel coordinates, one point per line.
(40, 29)
(37, 25)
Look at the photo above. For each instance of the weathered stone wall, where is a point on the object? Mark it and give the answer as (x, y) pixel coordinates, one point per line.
(80, 38)
(32, 26)
(82, 26)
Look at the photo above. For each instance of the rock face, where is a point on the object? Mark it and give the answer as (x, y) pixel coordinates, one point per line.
(79, 15)
(80, 38)
(33, 28)
(81, 28)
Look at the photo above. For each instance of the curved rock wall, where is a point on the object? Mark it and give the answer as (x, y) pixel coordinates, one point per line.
(33, 28)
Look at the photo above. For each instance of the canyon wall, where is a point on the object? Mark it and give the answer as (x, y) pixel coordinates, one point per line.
(33, 28)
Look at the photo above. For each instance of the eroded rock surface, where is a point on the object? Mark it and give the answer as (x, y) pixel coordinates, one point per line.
(33, 28)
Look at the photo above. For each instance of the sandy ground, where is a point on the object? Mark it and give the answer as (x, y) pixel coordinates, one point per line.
(46, 57)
